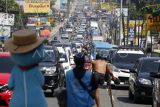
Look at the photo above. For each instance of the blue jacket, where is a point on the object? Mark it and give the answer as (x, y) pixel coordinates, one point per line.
(76, 95)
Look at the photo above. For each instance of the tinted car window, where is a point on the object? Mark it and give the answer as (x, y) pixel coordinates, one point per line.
(126, 58)
(49, 55)
(149, 66)
(6, 64)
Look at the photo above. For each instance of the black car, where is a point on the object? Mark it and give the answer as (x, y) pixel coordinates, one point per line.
(156, 87)
(140, 82)
(51, 68)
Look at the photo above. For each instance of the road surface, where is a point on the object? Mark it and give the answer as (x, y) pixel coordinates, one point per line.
(120, 99)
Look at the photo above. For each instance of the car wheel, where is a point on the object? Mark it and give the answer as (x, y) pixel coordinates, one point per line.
(52, 92)
(130, 95)
(136, 97)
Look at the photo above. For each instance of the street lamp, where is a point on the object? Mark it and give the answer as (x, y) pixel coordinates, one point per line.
(120, 36)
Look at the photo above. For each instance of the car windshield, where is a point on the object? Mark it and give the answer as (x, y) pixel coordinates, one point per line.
(49, 56)
(126, 57)
(104, 52)
(6, 64)
(62, 55)
(150, 66)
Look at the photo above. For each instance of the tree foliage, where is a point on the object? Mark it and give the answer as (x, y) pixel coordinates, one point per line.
(10, 5)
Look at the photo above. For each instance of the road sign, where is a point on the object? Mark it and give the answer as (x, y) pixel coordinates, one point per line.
(7, 19)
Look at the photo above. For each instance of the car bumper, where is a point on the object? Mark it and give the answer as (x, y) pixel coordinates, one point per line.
(144, 91)
(51, 81)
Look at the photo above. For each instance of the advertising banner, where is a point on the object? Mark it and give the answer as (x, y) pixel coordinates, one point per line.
(37, 6)
(153, 23)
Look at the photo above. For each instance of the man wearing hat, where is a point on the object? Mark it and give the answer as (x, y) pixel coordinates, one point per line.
(26, 80)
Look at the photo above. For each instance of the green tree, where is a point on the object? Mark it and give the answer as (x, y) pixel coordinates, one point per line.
(9, 6)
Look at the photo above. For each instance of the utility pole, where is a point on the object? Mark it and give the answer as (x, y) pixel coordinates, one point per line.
(120, 36)
(68, 8)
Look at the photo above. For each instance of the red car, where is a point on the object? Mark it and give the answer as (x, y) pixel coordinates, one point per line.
(6, 66)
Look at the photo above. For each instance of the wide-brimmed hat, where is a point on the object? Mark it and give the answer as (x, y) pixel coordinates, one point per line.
(23, 41)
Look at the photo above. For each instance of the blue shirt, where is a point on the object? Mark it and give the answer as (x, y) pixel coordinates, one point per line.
(76, 95)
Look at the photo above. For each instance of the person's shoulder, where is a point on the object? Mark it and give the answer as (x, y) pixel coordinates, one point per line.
(69, 72)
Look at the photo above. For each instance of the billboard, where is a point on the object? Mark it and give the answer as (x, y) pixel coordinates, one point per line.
(153, 23)
(37, 6)
(124, 10)
(7, 19)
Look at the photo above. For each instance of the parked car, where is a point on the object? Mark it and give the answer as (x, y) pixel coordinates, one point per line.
(51, 68)
(156, 87)
(124, 59)
(6, 66)
(140, 82)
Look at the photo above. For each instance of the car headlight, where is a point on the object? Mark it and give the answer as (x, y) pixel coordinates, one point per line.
(115, 69)
(145, 81)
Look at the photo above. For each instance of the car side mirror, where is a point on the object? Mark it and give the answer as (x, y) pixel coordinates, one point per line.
(155, 74)
(132, 71)
(61, 60)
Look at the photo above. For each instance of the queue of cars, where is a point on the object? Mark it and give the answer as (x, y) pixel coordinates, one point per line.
(138, 72)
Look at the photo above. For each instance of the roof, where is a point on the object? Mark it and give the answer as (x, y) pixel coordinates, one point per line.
(61, 50)
(100, 44)
(5, 54)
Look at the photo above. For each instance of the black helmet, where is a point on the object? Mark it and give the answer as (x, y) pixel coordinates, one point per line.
(79, 59)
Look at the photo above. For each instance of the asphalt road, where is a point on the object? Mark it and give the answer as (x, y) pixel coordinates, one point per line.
(120, 99)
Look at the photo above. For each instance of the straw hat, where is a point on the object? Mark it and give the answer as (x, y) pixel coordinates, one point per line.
(23, 41)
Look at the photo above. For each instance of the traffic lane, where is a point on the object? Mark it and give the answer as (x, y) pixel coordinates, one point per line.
(120, 99)
(51, 100)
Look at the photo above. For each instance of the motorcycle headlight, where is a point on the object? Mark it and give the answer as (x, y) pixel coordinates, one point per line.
(145, 81)
(50, 70)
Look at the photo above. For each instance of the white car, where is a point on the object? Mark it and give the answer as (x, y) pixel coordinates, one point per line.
(79, 36)
(118, 73)
(69, 54)
(64, 58)
(123, 61)
(65, 35)
(69, 30)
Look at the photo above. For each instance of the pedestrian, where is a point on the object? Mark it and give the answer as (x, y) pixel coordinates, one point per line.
(26, 79)
(78, 85)
(101, 70)
(101, 73)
